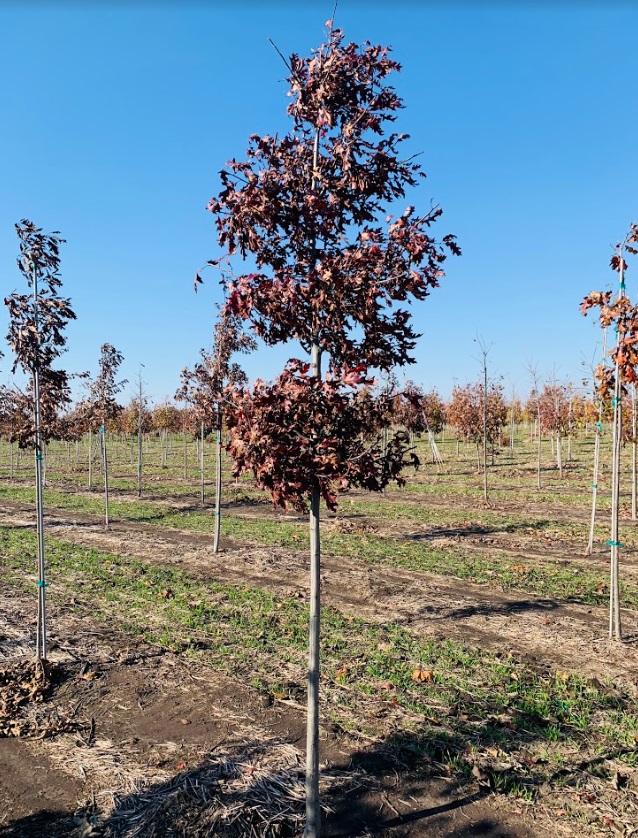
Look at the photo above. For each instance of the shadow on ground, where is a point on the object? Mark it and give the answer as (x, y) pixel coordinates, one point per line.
(376, 792)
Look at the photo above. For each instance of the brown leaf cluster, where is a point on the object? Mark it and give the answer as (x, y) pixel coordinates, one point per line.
(24, 686)
(299, 433)
(622, 314)
(465, 412)
(36, 336)
(418, 411)
(327, 270)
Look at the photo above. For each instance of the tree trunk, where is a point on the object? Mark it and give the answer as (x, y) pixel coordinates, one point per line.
(634, 442)
(559, 453)
(41, 633)
(218, 486)
(539, 445)
(615, 630)
(313, 808)
(140, 452)
(594, 488)
(90, 459)
(41, 624)
(201, 466)
(105, 467)
(313, 804)
(485, 430)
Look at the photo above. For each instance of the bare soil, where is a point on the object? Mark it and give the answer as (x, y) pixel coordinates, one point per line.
(145, 715)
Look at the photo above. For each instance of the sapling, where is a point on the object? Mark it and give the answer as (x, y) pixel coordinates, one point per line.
(204, 386)
(102, 406)
(615, 380)
(36, 335)
(331, 274)
(534, 409)
(554, 415)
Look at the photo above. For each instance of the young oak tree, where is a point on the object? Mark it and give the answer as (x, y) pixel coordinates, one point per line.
(472, 423)
(420, 413)
(102, 406)
(36, 335)
(331, 273)
(204, 388)
(613, 381)
(554, 415)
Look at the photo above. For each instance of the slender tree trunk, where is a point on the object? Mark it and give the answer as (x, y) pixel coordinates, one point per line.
(41, 638)
(559, 453)
(140, 460)
(594, 488)
(485, 498)
(458, 447)
(90, 459)
(140, 450)
(313, 809)
(615, 631)
(634, 442)
(105, 467)
(201, 465)
(615, 628)
(41, 624)
(185, 455)
(539, 447)
(11, 461)
(313, 804)
(218, 485)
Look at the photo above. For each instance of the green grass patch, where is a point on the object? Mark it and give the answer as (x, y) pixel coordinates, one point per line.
(436, 699)
(547, 578)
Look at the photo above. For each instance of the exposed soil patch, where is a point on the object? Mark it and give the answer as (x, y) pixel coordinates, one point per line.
(154, 725)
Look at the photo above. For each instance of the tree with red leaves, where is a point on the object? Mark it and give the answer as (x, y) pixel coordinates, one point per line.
(330, 273)
(465, 413)
(419, 412)
(102, 406)
(554, 415)
(36, 335)
(204, 387)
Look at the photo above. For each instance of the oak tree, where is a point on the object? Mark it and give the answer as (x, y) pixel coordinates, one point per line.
(102, 406)
(613, 381)
(37, 321)
(334, 271)
(204, 389)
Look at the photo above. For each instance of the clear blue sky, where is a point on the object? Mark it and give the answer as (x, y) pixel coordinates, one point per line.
(116, 120)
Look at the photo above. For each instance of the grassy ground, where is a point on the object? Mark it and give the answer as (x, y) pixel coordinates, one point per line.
(516, 727)
(452, 703)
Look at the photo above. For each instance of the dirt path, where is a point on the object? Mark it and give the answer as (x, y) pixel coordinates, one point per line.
(554, 634)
